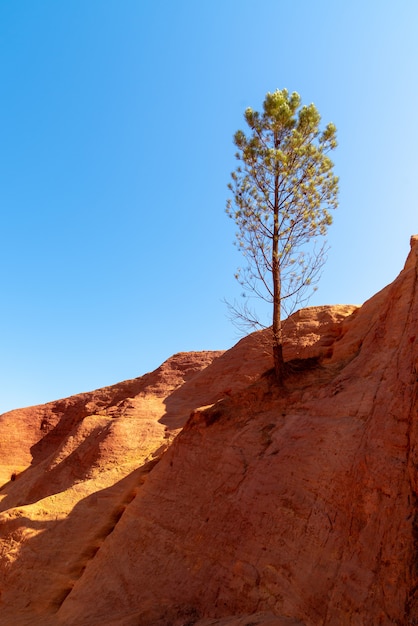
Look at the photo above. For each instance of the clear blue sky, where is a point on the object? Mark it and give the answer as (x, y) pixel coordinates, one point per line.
(116, 121)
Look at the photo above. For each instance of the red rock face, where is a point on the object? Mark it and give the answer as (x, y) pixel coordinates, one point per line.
(294, 507)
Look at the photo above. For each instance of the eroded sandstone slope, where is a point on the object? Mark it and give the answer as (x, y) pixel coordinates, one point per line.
(267, 507)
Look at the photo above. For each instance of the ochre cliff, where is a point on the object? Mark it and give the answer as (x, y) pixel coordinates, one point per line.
(131, 505)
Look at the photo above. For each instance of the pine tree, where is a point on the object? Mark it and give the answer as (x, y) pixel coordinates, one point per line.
(282, 194)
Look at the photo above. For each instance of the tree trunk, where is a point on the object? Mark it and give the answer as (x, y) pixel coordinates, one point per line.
(278, 347)
(277, 289)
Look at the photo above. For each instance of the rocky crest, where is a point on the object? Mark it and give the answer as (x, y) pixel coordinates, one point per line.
(130, 505)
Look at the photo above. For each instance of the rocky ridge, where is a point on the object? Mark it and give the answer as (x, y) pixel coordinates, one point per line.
(131, 505)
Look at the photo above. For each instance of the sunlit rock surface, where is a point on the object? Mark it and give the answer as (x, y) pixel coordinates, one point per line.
(202, 494)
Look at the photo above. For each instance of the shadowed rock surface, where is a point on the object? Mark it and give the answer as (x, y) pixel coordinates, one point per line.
(202, 494)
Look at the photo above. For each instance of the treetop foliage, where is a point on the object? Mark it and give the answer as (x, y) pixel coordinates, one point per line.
(283, 191)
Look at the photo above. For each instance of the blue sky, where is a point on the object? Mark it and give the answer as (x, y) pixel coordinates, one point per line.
(116, 125)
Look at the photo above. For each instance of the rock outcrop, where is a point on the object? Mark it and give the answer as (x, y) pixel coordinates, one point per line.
(202, 494)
